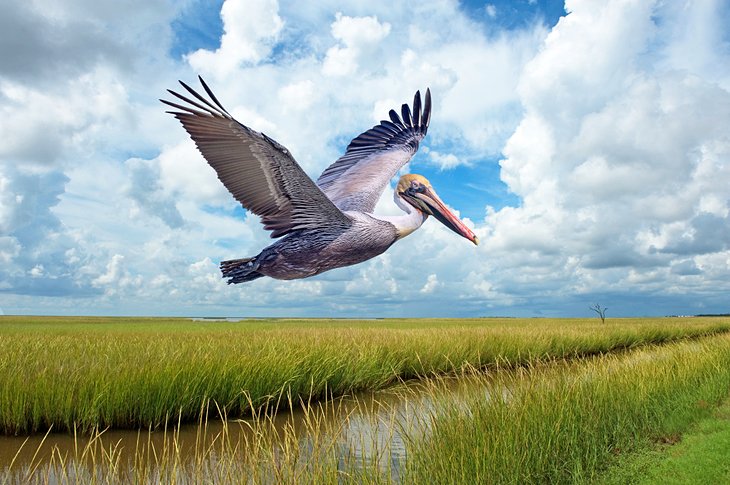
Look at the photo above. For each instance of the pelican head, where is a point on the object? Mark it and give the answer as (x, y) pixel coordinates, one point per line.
(417, 191)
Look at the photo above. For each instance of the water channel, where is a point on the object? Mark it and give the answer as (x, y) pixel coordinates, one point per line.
(368, 430)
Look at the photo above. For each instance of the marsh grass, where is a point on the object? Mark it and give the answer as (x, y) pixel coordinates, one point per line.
(89, 373)
(565, 422)
(330, 441)
(550, 421)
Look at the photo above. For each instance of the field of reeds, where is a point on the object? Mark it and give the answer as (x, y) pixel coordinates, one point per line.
(499, 400)
(563, 423)
(76, 373)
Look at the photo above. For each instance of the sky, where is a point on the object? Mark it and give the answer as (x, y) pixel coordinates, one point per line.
(587, 143)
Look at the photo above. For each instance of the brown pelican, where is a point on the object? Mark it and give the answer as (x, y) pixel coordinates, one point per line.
(325, 225)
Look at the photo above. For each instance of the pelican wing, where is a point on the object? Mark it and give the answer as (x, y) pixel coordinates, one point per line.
(357, 179)
(259, 172)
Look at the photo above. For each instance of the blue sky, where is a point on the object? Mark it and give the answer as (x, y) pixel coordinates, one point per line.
(586, 143)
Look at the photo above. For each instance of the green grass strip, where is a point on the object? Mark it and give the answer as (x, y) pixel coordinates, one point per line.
(566, 423)
(701, 456)
(85, 373)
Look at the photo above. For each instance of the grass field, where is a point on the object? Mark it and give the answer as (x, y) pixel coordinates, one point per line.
(566, 422)
(697, 457)
(87, 373)
(556, 405)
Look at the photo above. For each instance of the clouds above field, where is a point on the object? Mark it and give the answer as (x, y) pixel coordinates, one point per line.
(586, 143)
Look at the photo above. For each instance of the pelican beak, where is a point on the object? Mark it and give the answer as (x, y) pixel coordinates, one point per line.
(430, 203)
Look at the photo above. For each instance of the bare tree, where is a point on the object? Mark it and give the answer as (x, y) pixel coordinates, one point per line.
(601, 311)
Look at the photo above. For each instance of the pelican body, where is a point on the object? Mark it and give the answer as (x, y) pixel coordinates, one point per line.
(324, 225)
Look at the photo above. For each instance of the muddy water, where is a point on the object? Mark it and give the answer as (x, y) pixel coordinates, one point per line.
(369, 428)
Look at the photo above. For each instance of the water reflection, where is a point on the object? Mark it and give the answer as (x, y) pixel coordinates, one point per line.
(368, 431)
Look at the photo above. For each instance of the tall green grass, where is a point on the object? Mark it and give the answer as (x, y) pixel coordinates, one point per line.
(548, 422)
(566, 422)
(95, 373)
(314, 445)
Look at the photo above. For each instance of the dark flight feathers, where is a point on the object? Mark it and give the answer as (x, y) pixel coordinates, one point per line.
(356, 180)
(259, 172)
(263, 176)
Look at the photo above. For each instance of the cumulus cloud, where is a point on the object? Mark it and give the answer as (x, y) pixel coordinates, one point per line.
(40, 255)
(610, 127)
(250, 31)
(144, 188)
(444, 161)
(359, 38)
(43, 126)
(36, 44)
(619, 154)
(65, 81)
(431, 283)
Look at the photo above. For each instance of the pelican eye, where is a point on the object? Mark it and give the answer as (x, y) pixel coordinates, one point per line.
(413, 190)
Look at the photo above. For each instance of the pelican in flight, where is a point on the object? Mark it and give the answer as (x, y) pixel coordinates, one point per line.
(328, 224)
